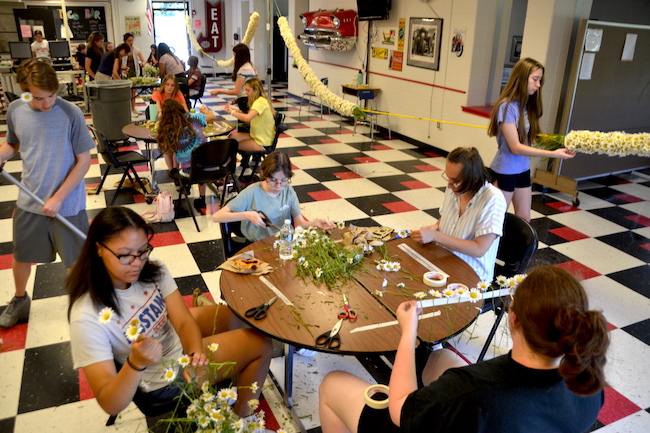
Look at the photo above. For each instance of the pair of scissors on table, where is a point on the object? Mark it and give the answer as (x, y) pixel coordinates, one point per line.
(347, 312)
(330, 339)
(267, 221)
(259, 312)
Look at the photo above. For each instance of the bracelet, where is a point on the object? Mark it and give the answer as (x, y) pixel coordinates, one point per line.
(128, 361)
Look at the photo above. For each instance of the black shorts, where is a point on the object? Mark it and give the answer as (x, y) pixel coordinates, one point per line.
(508, 182)
(376, 420)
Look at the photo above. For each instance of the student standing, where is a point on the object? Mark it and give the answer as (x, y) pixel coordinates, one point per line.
(40, 46)
(94, 53)
(515, 123)
(44, 126)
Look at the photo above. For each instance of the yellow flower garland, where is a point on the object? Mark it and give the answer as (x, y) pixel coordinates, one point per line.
(248, 37)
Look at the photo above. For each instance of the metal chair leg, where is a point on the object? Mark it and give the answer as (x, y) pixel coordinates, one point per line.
(500, 314)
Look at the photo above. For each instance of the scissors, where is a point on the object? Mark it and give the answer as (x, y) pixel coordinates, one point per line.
(259, 312)
(267, 221)
(331, 339)
(347, 312)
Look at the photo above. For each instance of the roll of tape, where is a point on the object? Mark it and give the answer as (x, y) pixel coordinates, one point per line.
(376, 389)
(434, 279)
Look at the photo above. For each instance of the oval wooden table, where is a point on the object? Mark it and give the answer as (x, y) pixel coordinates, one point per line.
(314, 309)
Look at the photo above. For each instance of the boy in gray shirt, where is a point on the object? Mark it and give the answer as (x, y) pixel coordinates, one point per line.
(54, 144)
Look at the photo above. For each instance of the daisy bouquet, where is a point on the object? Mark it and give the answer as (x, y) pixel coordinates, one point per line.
(150, 71)
(614, 143)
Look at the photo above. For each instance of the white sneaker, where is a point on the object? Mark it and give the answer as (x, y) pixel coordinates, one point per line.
(135, 114)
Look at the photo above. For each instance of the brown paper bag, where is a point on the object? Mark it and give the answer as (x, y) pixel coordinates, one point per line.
(231, 265)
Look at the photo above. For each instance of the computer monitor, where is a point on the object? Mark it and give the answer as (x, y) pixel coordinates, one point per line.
(20, 50)
(59, 49)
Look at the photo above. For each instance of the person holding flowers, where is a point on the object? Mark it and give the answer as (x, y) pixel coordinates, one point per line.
(126, 308)
(551, 380)
(515, 123)
(471, 215)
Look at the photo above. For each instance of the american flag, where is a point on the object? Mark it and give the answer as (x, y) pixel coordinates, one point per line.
(149, 15)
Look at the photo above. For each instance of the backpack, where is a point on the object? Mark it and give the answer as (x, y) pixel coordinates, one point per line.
(164, 209)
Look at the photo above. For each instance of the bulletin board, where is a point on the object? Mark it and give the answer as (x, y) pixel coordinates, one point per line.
(614, 97)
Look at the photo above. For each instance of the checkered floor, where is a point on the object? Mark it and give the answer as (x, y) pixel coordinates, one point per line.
(344, 176)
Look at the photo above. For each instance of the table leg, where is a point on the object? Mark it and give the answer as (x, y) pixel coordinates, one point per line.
(288, 375)
(152, 166)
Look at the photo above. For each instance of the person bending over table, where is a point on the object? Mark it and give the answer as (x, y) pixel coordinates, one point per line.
(260, 116)
(178, 134)
(110, 67)
(115, 270)
(551, 380)
(471, 215)
(169, 89)
(274, 196)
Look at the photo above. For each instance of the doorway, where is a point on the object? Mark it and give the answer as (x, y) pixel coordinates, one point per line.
(168, 18)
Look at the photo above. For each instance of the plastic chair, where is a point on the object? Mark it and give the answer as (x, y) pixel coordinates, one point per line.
(211, 161)
(311, 94)
(369, 95)
(259, 155)
(516, 251)
(122, 159)
(199, 95)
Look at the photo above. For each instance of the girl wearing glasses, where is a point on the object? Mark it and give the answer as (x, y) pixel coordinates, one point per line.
(272, 195)
(471, 215)
(115, 271)
(515, 123)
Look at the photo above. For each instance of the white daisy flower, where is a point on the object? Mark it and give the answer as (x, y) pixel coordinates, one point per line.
(239, 425)
(208, 396)
(475, 295)
(501, 280)
(448, 293)
(379, 293)
(254, 387)
(435, 293)
(306, 264)
(184, 361)
(396, 266)
(216, 416)
(461, 291)
(318, 272)
(105, 315)
(253, 404)
(340, 225)
(213, 347)
(350, 260)
(401, 285)
(419, 295)
(483, 285)
(203, 421)
(205, 386)
(26, 97)
(294, 254)
(301, 260)
(384, 283)
(132, 333)
(169, 375)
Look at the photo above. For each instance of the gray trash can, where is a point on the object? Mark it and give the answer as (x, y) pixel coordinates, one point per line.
(110, 106)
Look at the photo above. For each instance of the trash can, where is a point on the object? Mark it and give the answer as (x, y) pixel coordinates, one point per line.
(110, 106)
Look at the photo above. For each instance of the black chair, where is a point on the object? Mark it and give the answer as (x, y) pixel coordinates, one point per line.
(211, 161)
(11, 96)
(516, 250)
(232, 238)
(122, 159)
(280, 127)
(199, 95)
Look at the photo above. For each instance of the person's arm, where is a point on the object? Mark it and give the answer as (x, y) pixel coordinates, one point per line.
(88, 69)
(53, 204)
(239, 83)
(114, 390)
(475, 248)
(225, 215)
(209, 115)
(403, 379)
(237, 114)
(184, 104)
(511, 135)
(117, 67)
(321, 223)
(186, 327)
(161, 68)
(141, 57)
(8, 150)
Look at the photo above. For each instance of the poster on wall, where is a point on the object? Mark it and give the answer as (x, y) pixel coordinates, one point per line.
(213, 42)
(85, 20)
(396, 60)
(401, 31)
(424, 39)
(379, 53)
(132, 25)
(388, 36)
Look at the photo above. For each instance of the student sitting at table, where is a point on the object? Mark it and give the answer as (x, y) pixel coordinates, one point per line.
(471, 215)
(194, 75)
(168, 89)
(110, 67)
(178, 134)
(274, 196)
(552, 380)
(260, 116)
(115, 271)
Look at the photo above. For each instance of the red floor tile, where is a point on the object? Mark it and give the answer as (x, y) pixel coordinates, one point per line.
(85, 391)
(580, 271)
(562, 206)
(616, 407)
(399, 206)
(323, 195)
(5, 261)
(415, 184)
(344, 131)
(381, 147)
(13, 338)
(94, 161)
(141, 168)
(283, 135)
(348, 175)
(639, 219)
(365, 159)
(139, 198)
(426, 167)
(328, 140)
(298, 126)
(628, 198)
(433, 154)
(646, 246)
(611, 327)
(167, 238)
(271, 422)
(310, 152)
(568, 233)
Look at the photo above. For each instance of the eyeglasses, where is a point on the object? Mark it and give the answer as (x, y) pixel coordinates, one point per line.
(281, 182)
(454, 182)
(127, 259)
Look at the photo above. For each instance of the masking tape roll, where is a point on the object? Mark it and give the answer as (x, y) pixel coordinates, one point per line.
(375, 389)
(434, 279)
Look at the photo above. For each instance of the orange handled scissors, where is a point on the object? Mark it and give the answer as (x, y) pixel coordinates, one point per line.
(347, 312)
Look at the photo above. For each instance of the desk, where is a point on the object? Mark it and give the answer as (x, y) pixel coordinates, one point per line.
(317, 307)
(144, 88)
(353, 89)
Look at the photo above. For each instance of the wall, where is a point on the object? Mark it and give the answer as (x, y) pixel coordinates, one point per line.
(8, 24)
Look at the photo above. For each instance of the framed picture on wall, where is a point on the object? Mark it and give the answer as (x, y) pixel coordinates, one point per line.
(515, 50)
(424, 39)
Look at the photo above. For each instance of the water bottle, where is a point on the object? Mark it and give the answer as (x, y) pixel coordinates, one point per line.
(286, 240)
(359, 78)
